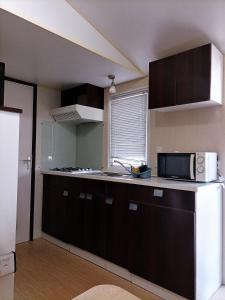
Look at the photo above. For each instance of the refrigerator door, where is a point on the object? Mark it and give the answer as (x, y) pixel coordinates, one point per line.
(9, 137)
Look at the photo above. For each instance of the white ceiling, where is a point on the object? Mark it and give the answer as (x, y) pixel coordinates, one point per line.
(37, 55)
(146, 30)
(143, 30)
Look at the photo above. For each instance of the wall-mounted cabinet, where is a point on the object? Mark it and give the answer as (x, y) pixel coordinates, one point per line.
(85, 94)
(190, 79)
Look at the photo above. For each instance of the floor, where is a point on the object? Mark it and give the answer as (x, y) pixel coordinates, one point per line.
(47, 272)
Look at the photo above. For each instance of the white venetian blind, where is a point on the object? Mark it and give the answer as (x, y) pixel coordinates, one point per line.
(128, 128)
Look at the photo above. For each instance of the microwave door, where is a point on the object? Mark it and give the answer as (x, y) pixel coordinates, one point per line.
(192, 161)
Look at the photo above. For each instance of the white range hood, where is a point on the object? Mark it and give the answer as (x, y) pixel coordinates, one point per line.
(77, 113)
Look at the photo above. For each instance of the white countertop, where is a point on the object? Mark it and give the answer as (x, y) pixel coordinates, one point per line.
(153, 181)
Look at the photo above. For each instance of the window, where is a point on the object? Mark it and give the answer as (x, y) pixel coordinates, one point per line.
(128, 128)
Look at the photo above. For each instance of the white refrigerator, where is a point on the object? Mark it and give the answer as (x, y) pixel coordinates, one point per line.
(9, 144)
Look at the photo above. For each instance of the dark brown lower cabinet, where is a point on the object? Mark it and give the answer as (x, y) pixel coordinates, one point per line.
(56, 207)
(93, 222)
(76, 214)
(149, 231)
(116, 224)
(161, 246)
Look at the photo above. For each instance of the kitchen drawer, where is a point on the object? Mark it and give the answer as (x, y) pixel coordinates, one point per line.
(164, 197)
(114, 188)
(96, 187)
(60, 181)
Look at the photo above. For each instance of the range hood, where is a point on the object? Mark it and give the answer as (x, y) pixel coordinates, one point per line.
(77, 113)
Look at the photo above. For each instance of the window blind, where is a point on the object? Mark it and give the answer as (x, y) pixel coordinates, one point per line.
(128, 128)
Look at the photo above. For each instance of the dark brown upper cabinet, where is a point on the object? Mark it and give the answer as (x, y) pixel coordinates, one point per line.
(190, 79)
(85, 94)
(2, 78)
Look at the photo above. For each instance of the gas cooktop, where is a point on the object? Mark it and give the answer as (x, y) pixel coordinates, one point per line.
(75, 170)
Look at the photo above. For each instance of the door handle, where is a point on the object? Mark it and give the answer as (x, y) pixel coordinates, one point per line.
(82, 196)
(158, 193)
(133, 206)
(28, 162)
(109, 201)
(89, 196)
(65, 193)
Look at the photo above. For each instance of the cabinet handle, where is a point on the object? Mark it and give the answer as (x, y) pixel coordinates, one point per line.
(89, 196)
(158, 193)
(65, 193)
(82, 196)
(133, 206)
(109, 201)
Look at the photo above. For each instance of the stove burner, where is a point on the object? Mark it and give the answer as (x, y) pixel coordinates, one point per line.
(71, 169)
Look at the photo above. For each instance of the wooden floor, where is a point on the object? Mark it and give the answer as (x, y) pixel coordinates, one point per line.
(47, 272)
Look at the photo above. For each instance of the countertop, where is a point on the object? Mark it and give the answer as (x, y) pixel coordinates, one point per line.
(153, 181)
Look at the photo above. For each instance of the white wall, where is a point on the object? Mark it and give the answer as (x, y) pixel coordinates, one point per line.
(47, 99)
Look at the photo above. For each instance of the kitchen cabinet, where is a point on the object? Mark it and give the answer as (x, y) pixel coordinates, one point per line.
(2, 79)
(76, 214)
(73, 211)
(190, 79)
(93, 222)
(85, 94)
(162, 83)
(116, 223)
(161, 244)
(169, 236)
(56, 206)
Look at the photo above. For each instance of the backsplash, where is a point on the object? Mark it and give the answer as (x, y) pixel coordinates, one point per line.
(58, 145)
(65, 145)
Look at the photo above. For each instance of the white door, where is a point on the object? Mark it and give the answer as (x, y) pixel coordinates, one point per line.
(21, 96)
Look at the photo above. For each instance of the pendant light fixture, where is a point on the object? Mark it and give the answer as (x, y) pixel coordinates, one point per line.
(112, 89)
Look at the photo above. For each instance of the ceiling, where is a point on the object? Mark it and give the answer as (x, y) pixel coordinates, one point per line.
(146, 30)
(34, 54)
(142, 30)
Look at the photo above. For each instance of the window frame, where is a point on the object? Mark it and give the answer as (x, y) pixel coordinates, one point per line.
(124, 95)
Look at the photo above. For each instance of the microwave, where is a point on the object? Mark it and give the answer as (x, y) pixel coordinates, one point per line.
(198, 166)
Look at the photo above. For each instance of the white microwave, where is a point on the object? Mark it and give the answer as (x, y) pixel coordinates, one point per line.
(198, 166)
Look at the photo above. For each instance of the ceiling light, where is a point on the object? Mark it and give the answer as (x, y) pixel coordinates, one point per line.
(112, 89)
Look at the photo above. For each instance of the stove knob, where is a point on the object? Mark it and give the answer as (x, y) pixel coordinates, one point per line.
(200, 159)
(200, 169)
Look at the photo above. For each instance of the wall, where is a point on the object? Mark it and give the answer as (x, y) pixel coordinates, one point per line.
(192, 130)
(47, 100)
(89, 145)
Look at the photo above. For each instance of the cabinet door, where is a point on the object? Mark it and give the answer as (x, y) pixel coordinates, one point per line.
(162, 85)
(161, 245)
(116, 208)
(56, 207)
(193, 75)
(94, 231)
(76, 214)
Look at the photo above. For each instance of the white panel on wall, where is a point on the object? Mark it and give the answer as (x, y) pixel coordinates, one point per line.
(47, 100)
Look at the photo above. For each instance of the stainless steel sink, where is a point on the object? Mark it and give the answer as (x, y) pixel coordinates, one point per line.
(112, 174)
